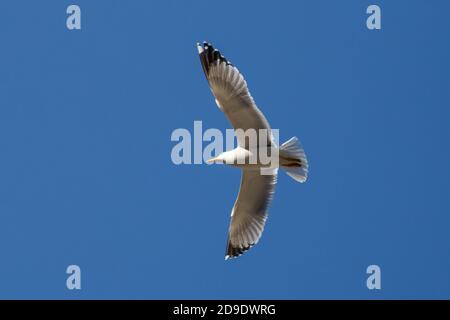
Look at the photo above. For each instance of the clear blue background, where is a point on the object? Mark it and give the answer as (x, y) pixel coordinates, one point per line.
(86, 176)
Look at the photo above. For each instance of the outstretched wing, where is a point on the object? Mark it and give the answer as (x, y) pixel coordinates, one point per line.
(250, 211)
(232, 95)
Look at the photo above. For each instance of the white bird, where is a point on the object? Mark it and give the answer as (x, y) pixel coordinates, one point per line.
(250, 210)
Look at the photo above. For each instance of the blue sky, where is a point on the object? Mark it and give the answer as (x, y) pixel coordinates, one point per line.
(86, 176)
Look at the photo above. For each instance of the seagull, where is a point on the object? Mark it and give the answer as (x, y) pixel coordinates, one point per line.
(258, 180)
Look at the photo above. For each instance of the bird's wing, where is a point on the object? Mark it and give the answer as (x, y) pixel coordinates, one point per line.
(232, 95)
(250, 211)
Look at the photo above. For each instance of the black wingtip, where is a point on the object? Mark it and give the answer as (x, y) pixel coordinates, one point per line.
(234, 252)
(209, 55)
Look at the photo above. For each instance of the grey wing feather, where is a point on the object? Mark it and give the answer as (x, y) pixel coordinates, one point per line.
(250, 211)
(231, 92)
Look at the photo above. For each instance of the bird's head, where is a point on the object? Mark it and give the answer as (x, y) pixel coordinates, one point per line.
(225, 157)
(215, 160)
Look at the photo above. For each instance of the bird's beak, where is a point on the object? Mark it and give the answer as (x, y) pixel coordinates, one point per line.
(212, 160)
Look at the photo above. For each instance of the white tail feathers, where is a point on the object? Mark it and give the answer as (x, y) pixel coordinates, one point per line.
(293, 160)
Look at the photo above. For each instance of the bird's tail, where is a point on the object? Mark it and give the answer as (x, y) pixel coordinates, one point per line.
(293, 160)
